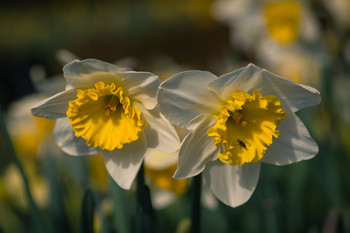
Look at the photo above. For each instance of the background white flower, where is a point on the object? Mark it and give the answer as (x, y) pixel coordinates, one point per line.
(282, 36)
(249, 21)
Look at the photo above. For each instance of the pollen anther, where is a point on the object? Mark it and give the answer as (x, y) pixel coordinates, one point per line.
(111, 105)
(238, 117)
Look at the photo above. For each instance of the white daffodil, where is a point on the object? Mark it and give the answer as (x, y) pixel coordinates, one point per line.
(105, 108)
(283, 22)
(159, 169)
(279, 35)
(297, 63)
(339, 10)
(237, 121)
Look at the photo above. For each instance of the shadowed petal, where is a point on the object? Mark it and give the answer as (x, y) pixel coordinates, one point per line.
(232, 185)
(64, 136)
(186, 95)
(123, 164)
(293, 144)
(160, 134)
(197, 148)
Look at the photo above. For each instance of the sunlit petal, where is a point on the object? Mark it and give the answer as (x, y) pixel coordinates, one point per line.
(141, 86)
(292, 95)
(76, 71)
(54, 106)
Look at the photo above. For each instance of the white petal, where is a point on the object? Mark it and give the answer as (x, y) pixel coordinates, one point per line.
(76, 71)
(197, 149)
(63, 135)
(232, 185)
(227, 83)
(186, 95)
(123, 165)
(160, 134)
(292, 95)
(293, 144)
(55, 106)
(142, 86)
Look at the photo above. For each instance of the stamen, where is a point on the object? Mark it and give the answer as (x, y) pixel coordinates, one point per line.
(111, 105)
(238, 117)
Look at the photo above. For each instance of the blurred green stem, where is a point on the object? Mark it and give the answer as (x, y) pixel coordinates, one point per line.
(38, 222)
(145, 216)
(87, 213)
(196, 204)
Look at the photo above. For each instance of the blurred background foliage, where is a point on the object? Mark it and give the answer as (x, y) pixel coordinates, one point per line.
(305, 41)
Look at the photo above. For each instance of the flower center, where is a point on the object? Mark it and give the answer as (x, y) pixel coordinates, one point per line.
(104, 117)
(282, 19)
(111, 106)
(245, 127)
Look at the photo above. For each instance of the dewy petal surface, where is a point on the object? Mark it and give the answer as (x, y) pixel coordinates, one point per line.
(292, 95)
(232, 185)
(293, 144)
(64, 136)
(185, 95)
(140, 86)
(123, 164)
(197, 149)
(54, 106)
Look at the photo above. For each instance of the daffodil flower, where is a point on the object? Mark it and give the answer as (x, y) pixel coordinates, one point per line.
(237, 121)
(283, 22)
(105, 108)
(159, 169)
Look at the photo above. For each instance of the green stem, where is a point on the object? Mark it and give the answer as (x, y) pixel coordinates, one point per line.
(145, 215)
(37, 219)
(87, 213)
(140, 178)
(196, 204)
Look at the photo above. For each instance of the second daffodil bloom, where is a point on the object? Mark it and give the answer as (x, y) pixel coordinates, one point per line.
(237, 121)
(105, 108)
